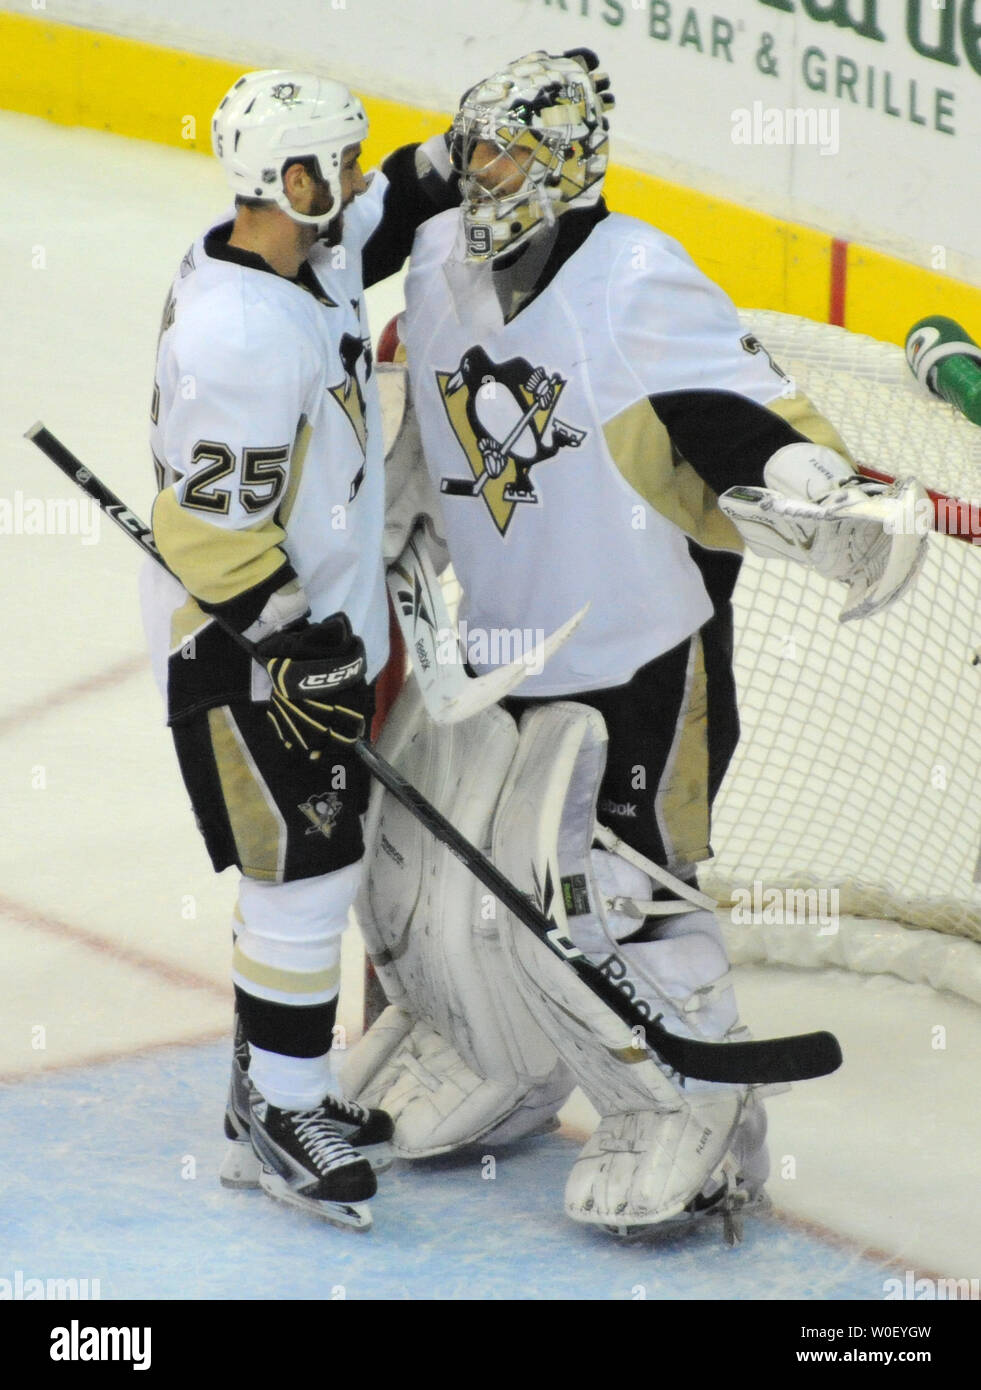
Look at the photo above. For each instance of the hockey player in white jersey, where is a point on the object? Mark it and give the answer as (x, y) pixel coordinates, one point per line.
(584, 395)
(267, 443)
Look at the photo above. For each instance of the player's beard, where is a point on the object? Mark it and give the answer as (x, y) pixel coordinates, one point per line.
(334, 231)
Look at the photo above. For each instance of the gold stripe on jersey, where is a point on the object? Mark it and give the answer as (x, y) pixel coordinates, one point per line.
(640, 446)
(257, 826)
(212, 562)
(291, 982)
(681, 802)
(801, 414)
(298, 458)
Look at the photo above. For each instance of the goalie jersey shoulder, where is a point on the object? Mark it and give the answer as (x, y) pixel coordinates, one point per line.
(671, 327)
(651, 322)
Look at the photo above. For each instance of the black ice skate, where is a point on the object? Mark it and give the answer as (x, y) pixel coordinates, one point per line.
(307, 1163)
(368, 1131)
(240, 1167)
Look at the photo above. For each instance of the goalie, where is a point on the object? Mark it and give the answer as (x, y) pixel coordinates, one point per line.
(586, 398)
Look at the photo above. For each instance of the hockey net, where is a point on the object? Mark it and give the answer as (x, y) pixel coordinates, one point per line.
(853, 792)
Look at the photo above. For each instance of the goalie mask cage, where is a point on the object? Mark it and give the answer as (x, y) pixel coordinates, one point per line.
(855, 779)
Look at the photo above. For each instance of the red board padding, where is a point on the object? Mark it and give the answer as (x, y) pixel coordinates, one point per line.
(388, 341)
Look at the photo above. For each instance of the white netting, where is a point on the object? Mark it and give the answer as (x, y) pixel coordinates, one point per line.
(859, 761)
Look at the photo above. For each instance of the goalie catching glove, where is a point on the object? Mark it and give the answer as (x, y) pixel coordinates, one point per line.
(818, 512)
(319, 691)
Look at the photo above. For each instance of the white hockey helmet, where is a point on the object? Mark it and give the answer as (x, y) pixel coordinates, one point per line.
(546, 116)
(270, 118)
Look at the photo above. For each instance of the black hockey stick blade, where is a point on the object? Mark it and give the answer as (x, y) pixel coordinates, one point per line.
(772, 1060)
(798, 1058)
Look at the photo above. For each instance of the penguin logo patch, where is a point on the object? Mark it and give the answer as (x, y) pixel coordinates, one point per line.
(322, 813)
(503, 416)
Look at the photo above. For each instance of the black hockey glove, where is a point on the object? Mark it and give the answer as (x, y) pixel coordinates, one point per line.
(319, 691)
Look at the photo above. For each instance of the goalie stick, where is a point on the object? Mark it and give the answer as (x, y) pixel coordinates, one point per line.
(473, 487)
(763, 1062)
(449, 694)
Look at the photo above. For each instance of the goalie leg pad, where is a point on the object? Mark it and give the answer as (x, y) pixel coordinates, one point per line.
(473, 1051)
(541, 841)
(643, 1168)
(661, 1139)
(437, 1101)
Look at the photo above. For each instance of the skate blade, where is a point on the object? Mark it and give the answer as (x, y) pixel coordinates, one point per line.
(731, 1212)
(351, 1215)
(380, 1156)
(240, 1167)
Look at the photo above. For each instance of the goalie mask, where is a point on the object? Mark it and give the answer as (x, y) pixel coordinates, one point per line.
(528, 142)
(270, 119)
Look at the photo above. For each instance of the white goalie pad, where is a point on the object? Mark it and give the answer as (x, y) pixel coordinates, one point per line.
(661, 1139)
(459, 1056)
(873, 543)
(542, 836)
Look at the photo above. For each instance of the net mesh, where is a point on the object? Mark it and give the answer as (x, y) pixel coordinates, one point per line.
(859, 758)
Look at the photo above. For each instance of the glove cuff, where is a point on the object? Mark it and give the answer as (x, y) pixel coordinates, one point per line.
(246, 608)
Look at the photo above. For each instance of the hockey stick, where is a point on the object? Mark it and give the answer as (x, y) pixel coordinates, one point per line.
(449, 694)
(473, 487)
(945, 508)
(794, 1058)
(464, 487)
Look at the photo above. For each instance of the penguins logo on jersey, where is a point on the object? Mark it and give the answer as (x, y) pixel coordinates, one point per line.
(503, 415)
(350, 397)
(322, 812)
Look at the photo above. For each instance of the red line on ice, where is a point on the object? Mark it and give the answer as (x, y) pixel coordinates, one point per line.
(67, 931)
(37, 709)
(99, 1059)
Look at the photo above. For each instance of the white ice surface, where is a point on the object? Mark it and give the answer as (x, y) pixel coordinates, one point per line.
(115, 932)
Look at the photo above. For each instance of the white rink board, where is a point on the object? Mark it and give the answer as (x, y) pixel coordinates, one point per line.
(898, 81)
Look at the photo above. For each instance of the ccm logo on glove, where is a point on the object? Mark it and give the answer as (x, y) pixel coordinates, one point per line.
(306, 664)
(344, 675)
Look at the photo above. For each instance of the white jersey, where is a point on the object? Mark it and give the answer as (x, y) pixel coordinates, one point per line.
(560, 486)
(267, 442)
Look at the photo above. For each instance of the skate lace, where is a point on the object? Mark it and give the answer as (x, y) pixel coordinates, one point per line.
(322, 1140)
(350, 1110)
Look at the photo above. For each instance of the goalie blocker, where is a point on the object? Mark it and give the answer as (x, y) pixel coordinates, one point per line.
(488, 1032)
